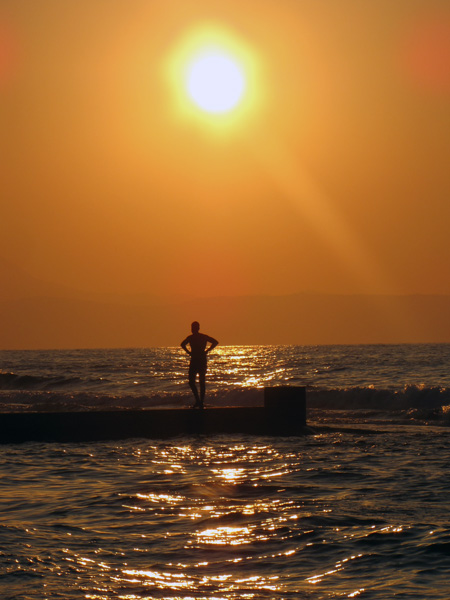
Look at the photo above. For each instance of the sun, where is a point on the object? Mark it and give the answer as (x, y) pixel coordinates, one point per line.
(214, 78)
(215, 82)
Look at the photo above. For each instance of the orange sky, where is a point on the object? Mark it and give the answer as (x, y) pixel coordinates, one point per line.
(332, 178)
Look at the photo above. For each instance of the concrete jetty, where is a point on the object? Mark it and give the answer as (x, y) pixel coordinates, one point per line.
(283, 414)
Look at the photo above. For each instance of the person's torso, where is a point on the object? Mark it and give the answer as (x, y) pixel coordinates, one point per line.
(197, 342)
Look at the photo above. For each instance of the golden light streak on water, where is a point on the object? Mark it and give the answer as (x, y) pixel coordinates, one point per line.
(180, 581)
(231, 475)
(356, 593)
(226, 536)
(246, 519)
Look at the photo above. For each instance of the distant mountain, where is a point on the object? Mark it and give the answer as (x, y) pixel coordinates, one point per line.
(49, 321)
(16, 283)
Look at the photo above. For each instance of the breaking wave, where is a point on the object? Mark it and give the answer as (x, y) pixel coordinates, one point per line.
(411, 404)
(11, 381)
(352, 383)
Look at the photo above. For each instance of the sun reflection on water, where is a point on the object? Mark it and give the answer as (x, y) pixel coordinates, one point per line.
(223, 486)
(241, 367)
(228, 583)
(227, 519)
(231, 475)
(223, 536)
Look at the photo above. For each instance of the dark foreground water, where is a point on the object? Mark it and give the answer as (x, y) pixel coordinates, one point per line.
(336, 515)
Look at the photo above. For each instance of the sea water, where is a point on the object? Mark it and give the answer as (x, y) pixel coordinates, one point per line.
(359, 511)
(411, 382)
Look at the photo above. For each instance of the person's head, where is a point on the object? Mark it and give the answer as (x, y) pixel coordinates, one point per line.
(195, 326)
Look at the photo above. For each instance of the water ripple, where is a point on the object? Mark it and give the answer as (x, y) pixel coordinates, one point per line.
(332, 516)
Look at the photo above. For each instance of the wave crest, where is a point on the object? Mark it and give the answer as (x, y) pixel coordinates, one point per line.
(12, 381)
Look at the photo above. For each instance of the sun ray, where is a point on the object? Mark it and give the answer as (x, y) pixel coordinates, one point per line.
(315, 206)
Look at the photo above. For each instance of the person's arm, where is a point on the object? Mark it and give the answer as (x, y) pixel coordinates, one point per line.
(184, 344)
(213, 343)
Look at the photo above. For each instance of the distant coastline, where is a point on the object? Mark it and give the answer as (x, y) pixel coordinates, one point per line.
(61, 321)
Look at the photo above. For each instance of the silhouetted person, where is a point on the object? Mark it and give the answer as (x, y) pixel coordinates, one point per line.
(198, 350)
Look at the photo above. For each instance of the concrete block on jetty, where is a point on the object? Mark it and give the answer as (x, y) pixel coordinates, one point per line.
(283, 413)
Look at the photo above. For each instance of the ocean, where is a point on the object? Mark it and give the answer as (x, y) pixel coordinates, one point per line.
(355, 510)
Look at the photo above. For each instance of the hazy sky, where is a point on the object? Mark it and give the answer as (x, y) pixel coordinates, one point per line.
(332, 176)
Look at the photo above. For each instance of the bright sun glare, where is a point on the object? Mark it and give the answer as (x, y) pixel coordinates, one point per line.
(215, 82)
(214, 76)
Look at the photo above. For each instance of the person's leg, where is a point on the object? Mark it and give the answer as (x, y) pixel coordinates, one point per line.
(202, 375)
(193, 386)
